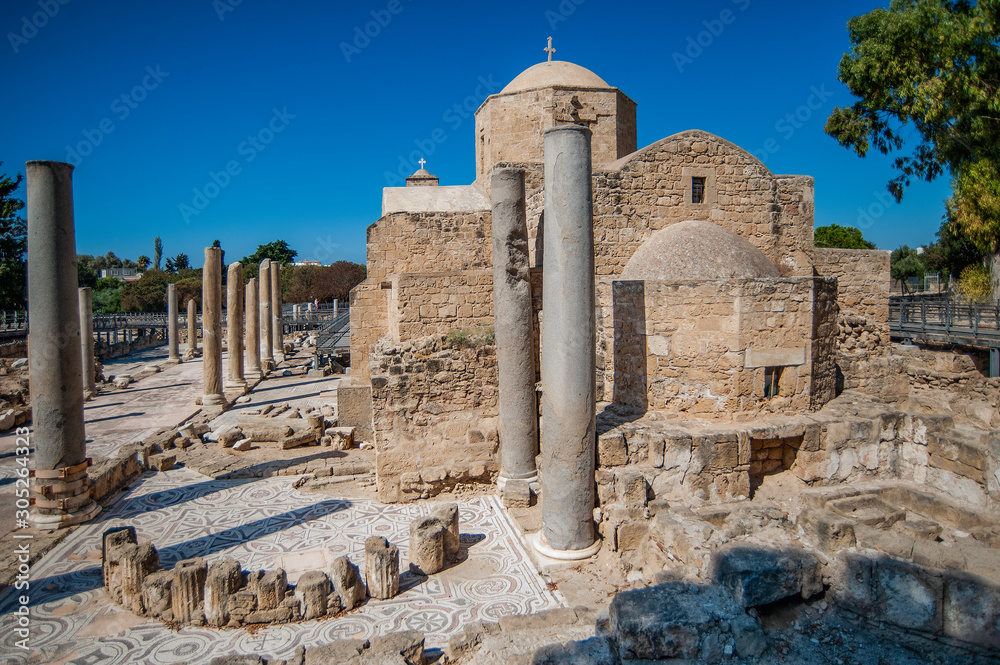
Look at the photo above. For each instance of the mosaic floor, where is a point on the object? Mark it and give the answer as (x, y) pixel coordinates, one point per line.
(265, 524)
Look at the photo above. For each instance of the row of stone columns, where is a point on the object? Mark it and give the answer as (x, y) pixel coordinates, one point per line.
(61, 342)
(568, 342)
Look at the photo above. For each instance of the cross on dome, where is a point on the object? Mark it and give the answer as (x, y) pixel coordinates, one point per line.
(422, 162)
(548, 49)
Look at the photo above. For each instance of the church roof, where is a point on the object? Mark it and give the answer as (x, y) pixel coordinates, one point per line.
(697, 250)
(555, 73)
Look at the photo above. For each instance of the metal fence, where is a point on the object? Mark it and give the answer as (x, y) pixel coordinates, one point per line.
(945, 320)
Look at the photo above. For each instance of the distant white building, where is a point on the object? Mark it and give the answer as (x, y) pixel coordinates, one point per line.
(124, 274)
(307, 263)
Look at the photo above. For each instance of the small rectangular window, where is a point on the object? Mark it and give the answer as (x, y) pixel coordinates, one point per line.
(697, 190)
(772, 380)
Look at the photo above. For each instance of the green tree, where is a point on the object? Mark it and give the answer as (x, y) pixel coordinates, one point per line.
(142, 263)
(953, 252)
(157, 252)
(13, 245)
(146, 294)
(933, 66)
(974, 283)
(843, 237)
(188, 288)
(87, 270)
(904, 263)
(108, 301)
(276, 251)
(105, 283)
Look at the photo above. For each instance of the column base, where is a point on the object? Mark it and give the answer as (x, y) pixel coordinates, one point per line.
(66, 496)
(173, 361)
(253, 375)
(235, 385)
(85, 513)
(537, 541)
(502, 480)
(267, 365)
(213, 400)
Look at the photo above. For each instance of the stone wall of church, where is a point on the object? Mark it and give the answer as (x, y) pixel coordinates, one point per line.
(435, 407)
(652, 189)
(425, 304)
(411, 243)
(862, 282)
(679, 346)
(510, 127)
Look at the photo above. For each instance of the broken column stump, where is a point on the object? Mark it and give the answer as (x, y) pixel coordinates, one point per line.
(223, 579)
(448, 514)
(347, 583)
(427, 537)
(312, 591)
(187, 591)
(381, 568)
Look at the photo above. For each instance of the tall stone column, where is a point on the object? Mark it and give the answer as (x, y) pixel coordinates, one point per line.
(87, 342)
(211, 327)
(514, 329)
(63, 494)
(266, 321)
(569, 342)
(172, 345)
(192, 323)
(252, 331)
(277, 325)
(234, 323)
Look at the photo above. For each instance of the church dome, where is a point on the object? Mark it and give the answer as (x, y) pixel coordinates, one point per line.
(555, 73)
(695, 250)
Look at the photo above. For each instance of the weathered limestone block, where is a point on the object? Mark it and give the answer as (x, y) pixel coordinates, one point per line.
(516, 494)
(448, 514)
(269, 587)
(223, 579)
(312, 591)
(342, 438)
(292, 603)
(681, 620)
(347, 583)
(971, 609)
(427, 545)
(595, 651)
(381, 568)
(299, 439)
(409, 645)
(242, 604)
(156, 595)
(335, 653)
(276, 615)
(187, 591)
(757, 576)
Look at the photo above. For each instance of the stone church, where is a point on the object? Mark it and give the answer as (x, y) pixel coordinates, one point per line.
(712, 302)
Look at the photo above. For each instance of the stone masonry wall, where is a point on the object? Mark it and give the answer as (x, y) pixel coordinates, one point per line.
(679, 346)
(862, 282)
(427, 304)
(435, 410)
(510, 127)
(418, 243)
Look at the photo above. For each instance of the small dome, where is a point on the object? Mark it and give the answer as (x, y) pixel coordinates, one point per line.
(555, 73)
(694, 250)
(421, 172)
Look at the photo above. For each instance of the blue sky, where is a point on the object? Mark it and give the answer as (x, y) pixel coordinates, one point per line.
(251, 120)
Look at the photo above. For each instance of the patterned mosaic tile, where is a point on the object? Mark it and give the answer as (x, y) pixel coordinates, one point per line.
(265, 524)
